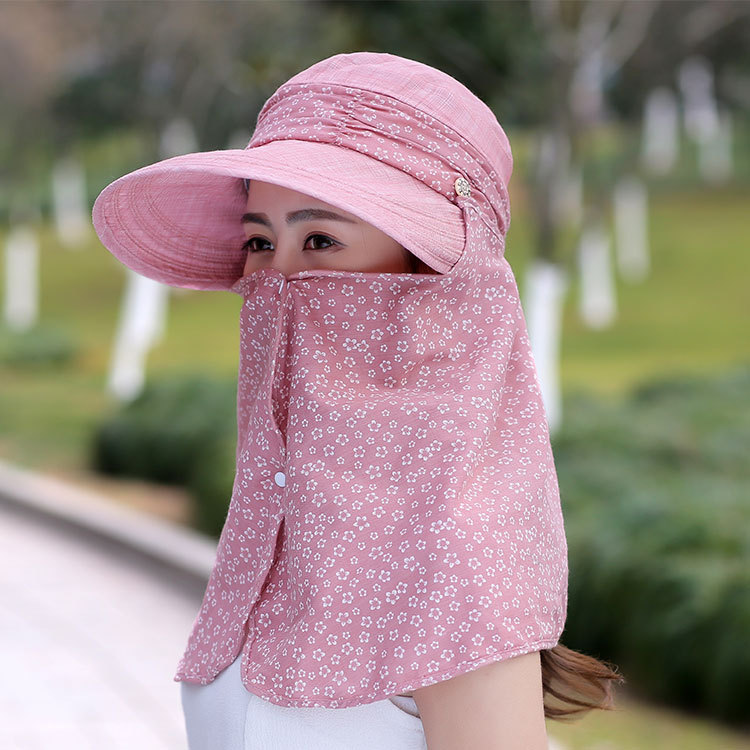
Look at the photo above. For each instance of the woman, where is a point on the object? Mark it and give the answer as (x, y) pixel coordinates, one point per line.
(394, 546)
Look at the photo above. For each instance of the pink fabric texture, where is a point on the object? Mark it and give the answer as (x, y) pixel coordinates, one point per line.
(419, 533)
(395, 519)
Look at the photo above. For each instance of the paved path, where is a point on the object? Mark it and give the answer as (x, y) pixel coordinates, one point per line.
(90, 637)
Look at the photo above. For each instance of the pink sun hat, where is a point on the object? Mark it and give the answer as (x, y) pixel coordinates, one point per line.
(397, 143)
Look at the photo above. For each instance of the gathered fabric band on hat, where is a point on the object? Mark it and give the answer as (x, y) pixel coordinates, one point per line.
(391, 131)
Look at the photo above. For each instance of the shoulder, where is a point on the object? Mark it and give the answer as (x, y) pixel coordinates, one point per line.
(498, 705)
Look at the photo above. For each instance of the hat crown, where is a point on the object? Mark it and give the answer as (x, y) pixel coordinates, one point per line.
(402, 113)
(423, 87)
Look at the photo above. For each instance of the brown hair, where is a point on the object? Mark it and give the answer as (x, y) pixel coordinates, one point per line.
(417, 265)
(579, 682)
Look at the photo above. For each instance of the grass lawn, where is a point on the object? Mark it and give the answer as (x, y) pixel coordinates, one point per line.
(640, 725)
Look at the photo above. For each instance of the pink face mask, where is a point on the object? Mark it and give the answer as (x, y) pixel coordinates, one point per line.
(395, 519)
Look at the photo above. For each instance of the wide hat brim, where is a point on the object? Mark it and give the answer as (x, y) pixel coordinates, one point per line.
(179, 221)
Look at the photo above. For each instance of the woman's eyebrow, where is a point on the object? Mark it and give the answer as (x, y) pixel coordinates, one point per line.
(304, 214)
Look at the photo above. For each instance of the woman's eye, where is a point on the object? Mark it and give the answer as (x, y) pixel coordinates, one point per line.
(320, 242)
(257, 244)
(313, 242)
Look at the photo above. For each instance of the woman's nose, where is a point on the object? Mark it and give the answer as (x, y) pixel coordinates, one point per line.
(287, 260)
(286, 266)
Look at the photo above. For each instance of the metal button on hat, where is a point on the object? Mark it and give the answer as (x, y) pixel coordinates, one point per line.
(462, 187)
(280, 478)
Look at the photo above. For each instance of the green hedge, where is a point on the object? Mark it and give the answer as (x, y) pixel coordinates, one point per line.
(178, 431)
(211, 484)
(38, 347)
(656, 498)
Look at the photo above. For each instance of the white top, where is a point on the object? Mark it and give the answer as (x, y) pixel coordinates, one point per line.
(224, 715)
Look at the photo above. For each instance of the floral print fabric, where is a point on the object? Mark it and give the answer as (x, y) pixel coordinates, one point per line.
(418, 534)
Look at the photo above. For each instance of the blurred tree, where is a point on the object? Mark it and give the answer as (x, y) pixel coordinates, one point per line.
(35, 47)
(213, 63)
(586, 44)
(80, 70)
(718, 31)
(491, 47)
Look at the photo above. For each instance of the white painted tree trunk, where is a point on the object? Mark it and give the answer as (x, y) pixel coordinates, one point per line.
(566, 195)
(21, 308)
(705, 124)
(177, 138)
(661, 135)
(144, 306)
(715, 161)
(586, 93)
(141, 325)
(239, 139)
(696, 82)
(597, 302)
(631, 229)
(545, 286)
(563, 180)
(69, 202)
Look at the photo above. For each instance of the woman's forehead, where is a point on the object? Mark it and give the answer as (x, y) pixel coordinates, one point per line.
(262, 195)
